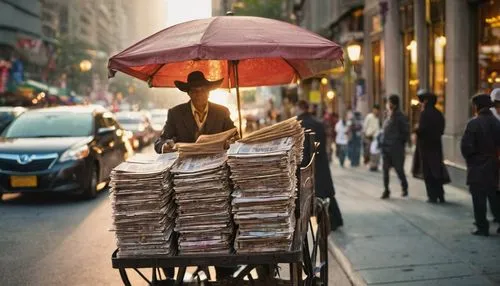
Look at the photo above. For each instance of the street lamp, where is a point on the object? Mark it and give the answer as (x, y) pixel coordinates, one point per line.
(85, 65)
(354, 52)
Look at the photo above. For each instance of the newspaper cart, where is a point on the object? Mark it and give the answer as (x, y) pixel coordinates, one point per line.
(307, 258)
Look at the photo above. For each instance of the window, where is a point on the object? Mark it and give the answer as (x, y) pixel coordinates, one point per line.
(437, 47)
(489, 46)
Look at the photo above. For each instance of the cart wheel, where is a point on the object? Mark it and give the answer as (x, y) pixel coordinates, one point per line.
(315, 246)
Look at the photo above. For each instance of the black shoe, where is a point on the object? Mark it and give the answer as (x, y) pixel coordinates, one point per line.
(404, 193)
(373, 169)
(385, 195)
(441, 200)
(498, 230)
(481, 233)
(432, 201)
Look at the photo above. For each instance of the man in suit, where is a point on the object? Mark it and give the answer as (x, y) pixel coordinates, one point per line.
(323, 178)
(396, 134)
(187, 121)
(428, 160)
(480, 145)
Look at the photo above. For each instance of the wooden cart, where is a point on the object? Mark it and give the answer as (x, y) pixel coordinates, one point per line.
(307, 260)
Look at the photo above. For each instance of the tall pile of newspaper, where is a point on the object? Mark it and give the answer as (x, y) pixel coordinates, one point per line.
(265, 185)
(203, 194)
(143, 206)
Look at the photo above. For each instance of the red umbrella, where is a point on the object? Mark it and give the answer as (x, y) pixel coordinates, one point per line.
(245, 51)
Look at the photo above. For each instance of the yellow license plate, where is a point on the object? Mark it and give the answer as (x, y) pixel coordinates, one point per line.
(23, 181)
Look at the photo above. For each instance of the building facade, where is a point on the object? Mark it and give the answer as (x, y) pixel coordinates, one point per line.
(451, 47)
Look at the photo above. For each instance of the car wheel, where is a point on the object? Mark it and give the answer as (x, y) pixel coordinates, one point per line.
(91, 190)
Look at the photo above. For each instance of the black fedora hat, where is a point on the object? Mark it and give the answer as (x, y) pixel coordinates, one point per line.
(197, 79)
(424, 94)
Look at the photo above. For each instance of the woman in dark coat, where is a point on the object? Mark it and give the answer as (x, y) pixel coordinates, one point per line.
(428, 158)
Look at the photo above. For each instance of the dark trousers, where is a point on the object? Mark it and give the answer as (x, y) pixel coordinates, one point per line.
(479, 196)
(434, 188)
(367, 142)
(396, 162)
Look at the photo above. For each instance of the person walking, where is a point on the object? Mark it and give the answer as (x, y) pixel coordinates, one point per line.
(428, 157)
(395, 136)
(322, 176)
(480, 145)
(371, 127)
(341, 140)
(355, 127)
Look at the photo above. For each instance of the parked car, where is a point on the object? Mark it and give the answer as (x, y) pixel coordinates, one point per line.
(61, 149)
(8, 114)
(139, 125)
(158, 119)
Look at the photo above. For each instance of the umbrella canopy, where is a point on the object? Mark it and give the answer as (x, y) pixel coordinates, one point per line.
(267, 52)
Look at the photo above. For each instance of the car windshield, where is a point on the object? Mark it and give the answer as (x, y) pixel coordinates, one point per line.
(50, 124)
(6, 116)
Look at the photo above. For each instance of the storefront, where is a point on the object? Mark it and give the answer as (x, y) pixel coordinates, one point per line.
(488, 61)
(410, 77)
(437, 56)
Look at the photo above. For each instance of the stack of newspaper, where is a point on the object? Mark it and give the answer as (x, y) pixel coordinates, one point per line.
(265, 189)
(203, 194)
(143, 206)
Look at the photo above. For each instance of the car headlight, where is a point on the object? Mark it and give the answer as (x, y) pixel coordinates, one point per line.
(75, 153)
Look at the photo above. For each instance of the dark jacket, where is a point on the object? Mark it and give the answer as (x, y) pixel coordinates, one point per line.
(396, 133)
(428, 157)
(323, 178)
(480, 145)
(181, 126)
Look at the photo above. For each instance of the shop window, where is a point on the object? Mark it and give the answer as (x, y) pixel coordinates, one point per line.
(378, 72)
(489, 46)
(437, 47)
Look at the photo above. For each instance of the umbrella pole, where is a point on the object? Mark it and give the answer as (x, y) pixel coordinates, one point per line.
(237, 85)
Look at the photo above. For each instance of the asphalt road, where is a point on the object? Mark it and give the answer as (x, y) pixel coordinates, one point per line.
(57, 240)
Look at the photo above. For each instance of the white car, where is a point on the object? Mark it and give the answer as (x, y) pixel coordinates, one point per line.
(158, 119)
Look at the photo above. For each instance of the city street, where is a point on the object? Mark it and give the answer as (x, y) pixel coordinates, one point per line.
(51, 240)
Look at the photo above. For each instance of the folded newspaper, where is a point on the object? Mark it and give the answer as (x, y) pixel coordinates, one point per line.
(203, 196)
(263, 167)
(207, 144)
(143, 206)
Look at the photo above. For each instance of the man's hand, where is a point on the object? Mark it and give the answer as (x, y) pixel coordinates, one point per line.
(168, 146)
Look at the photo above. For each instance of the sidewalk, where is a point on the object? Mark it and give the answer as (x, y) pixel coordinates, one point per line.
(408, 241)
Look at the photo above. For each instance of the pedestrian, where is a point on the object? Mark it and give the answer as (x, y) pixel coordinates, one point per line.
(354, 139)
(428, 157)
(341, 140)
(322, 176)
(371, 126)
(329, 122)
(480, 147)
(495, 97)
(395, 136)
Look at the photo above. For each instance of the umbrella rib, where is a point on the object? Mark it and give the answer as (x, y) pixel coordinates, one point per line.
(294, 69)
(150, 78)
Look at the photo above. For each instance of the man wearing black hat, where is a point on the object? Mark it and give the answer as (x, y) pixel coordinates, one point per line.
(395, 135)
(479, 146)
(187, 121)
(428, 158)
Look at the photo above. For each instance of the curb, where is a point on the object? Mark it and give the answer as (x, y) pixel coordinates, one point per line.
(352, 275)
